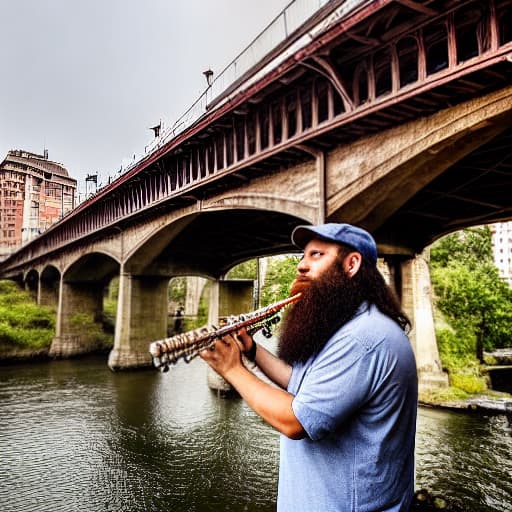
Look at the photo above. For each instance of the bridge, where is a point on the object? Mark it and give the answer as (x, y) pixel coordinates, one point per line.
(395, 115)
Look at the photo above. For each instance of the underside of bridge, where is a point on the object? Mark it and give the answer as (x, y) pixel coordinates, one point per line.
(475, 190)
(210, 243)
(92, 268)
(399, 63)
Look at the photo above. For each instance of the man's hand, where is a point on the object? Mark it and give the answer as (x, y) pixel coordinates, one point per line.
(225, 354)
(273, 404)
(245, 339)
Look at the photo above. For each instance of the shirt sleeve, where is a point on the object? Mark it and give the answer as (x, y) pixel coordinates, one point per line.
(336, 384)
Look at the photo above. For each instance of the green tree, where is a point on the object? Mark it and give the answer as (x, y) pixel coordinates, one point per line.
(469, 292)
(177, 289)
(472, 246)
(244, 270)
(279, 275)
(281, 271)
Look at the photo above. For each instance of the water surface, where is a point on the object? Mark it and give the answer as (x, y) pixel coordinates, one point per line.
(75, 436)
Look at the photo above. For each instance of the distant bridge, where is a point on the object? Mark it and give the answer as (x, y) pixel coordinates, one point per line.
(392, 114)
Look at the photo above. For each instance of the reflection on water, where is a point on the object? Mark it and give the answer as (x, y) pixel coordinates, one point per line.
(474, 453)
(75, 436)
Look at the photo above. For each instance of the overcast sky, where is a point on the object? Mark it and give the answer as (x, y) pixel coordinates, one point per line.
(86, 79)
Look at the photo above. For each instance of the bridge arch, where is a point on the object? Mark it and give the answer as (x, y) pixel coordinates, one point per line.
(31, 281)
(49, 284)
(80, 314)
(212, 241)
(438, 161)
(96, 266)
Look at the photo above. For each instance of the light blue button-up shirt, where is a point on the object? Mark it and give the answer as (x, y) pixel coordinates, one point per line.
(357, 401)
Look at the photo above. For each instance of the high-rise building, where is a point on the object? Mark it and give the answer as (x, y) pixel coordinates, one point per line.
(34, 193)
(502, 249)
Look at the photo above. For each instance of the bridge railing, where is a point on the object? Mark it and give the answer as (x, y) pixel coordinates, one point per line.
(276, 42)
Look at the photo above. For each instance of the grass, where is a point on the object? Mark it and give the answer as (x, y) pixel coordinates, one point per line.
(24, 324)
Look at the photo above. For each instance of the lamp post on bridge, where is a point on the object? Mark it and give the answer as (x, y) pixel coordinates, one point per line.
(208, 74)
(94, 179)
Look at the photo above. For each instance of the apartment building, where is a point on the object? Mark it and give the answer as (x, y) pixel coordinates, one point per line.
(502, 248)
(34, 193)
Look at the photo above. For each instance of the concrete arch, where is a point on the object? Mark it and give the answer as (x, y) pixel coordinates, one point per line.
(96, 266)
(50, 272)
(144, 249)
(110, 245)
(285, 204)
(370, 181)
(49, 284)
(79, 325)
(31, 281)
(210, 242)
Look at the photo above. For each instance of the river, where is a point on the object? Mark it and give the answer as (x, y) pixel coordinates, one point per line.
(75, 436)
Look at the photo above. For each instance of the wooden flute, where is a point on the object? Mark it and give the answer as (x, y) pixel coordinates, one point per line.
(187, 345)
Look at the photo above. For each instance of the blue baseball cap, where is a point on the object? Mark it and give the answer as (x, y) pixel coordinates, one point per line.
(356, 238)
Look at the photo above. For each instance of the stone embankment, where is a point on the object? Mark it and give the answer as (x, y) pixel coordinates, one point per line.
(502, 356)
(498, 405)
(22, 355)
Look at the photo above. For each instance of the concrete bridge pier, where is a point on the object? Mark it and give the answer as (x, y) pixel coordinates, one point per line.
(417, 304)
(214, 380)
(80, 305)
(141, 319)
(227, 297)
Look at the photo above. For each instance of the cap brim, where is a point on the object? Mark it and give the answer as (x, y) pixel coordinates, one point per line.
(301, 235)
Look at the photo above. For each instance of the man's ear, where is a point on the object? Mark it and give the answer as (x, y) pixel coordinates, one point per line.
(352, 263)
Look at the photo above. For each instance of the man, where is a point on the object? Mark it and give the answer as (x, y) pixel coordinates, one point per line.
(347, 397)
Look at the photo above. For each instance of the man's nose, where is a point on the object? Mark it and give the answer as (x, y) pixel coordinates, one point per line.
(302, 267)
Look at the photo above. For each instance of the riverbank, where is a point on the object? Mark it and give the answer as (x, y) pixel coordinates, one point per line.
(497, 405)
(12, 355)
(487, 401)
(23, 355)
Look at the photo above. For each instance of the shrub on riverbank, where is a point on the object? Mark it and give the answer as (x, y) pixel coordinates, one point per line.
(23, 324)
(473, 306)
(92, 331)
(470, 294)
(457, 353)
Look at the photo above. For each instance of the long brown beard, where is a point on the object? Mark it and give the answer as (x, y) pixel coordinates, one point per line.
(326, 304)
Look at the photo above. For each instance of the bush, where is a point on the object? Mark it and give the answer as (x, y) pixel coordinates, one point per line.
(83, 323)
(456, 350)
(23, 324)
(469, 291)
(12, 336)
(470, 383)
